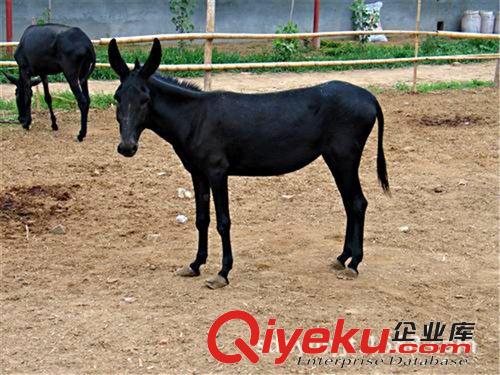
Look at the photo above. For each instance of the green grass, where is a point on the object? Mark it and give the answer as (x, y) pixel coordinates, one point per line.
(61, 101)
(7, 105)
(330, 50)
(424, 88)
(454, 85)
(8, 111)
(65, 101)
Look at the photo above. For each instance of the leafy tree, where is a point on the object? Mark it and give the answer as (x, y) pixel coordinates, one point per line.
(182, 13)
(363, 19)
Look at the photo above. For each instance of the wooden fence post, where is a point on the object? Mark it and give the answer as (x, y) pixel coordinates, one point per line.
(210, 28)
(417, 44)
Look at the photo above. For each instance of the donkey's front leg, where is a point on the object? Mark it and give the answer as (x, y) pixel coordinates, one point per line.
(202, 196)
(83, 103)
(218, 184)
(48, 100)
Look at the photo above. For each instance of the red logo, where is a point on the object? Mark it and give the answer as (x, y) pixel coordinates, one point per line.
(240, 343)
(321, 340)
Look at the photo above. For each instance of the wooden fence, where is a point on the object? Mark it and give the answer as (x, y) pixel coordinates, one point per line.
(243, 36)
(209, 36)
(208, 66)
(297, 64)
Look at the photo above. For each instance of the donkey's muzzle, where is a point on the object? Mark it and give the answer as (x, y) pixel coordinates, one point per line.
(127, 149)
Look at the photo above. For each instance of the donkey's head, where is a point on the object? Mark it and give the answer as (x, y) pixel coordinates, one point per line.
(23, 97)
(133, 96)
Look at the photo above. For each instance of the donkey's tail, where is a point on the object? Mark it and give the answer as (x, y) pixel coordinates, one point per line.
(381, 164)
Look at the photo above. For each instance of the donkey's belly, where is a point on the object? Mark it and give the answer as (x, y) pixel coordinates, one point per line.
(271, 164)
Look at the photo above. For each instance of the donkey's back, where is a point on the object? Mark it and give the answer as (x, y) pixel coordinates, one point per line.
(276, 133)
(318, 107)
(45, 48)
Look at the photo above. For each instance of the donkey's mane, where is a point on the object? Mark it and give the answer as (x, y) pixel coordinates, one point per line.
(176, 82)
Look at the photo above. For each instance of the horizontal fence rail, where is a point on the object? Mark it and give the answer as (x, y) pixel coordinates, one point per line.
(194, 36)
(226, 36)
(297, 64)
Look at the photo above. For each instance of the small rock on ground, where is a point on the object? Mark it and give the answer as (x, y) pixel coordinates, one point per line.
(404, 229)
(58, 229)
(184, 193)
(181, 219)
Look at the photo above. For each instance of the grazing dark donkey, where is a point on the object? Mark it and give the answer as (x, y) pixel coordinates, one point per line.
(51, 49)
(218, 134)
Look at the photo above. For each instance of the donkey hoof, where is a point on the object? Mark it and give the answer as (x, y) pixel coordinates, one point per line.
(55, 127)
(216, 282)
(337, 265)
(80, 138)
(347, 274)
(186, 271)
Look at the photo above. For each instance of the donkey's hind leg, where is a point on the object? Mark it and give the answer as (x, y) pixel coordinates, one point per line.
(344, 167)
(83, 102)
(218, 185)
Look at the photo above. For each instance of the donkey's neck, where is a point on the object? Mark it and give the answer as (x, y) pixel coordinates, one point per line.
(176, 111)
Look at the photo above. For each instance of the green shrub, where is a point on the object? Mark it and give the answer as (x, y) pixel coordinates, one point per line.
(440, 46)
(44, 18)
(284, 49)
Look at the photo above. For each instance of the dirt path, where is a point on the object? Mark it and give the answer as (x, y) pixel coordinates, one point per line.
(102, 297)
(249, 82)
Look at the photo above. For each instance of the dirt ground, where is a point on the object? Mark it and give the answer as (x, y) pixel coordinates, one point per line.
(102, 297)
(249, 82)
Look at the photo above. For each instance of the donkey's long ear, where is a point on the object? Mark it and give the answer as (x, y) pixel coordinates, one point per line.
(153, 61)
(116, 61)
(11, 78)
